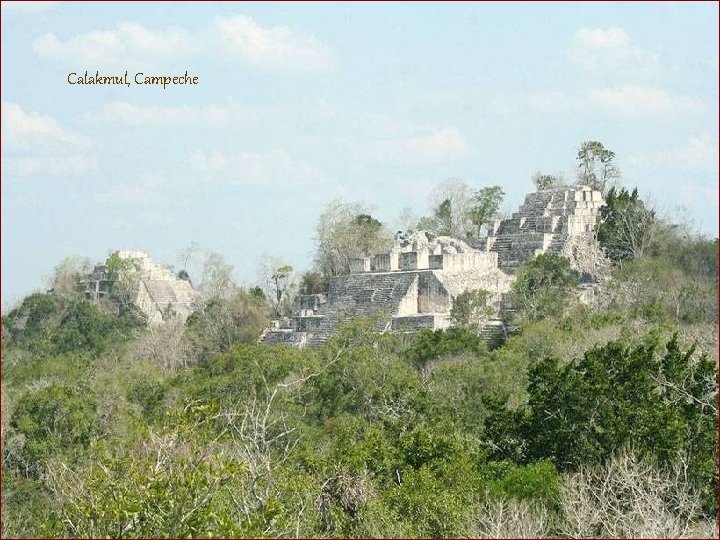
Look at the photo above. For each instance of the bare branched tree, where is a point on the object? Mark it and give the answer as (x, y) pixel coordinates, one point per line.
(345, 231)
(67, 274)
(510, 518)
(164, 344)
(262, 441)
(629, 498)
(217, 277)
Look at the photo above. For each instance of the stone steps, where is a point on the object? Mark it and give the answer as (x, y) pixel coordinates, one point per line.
(361, 295)
(515, 242)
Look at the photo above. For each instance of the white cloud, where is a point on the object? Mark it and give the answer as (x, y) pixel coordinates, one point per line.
(146, 189)
(597, 48)
(35, 144)
(21, 129)
(127, 43)
(128, 114)
(239, 37)
(629, 100)
(275, 167)
(27, 7)
(700, 152)
(551, 102)
(642, 100)
(52, 165)
(440, 145)
(276, 46)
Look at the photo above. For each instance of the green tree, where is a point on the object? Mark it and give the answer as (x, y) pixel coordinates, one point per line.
(485, 205)
(368, 230)
(543, 286)
(545, 181)
(429, 344)
(171, 488)
(628, 228)
(443, 217)
(313, 283)
(346, 231)
(460, 211)
(31, 323)
(450, 202)
(54, 421)
(664, 403)
(596, 165)
(86, 327)
(472, 309)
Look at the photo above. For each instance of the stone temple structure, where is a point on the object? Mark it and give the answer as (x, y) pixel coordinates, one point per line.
(561, 220)
(158, 293)
(414, 285)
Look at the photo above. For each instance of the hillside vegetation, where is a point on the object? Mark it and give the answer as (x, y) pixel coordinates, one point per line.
(586, 421)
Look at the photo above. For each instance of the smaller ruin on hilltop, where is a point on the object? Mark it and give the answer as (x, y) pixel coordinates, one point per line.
(415, 284)
(155, 290)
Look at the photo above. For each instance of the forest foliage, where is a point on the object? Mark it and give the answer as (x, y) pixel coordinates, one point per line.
(583, 421)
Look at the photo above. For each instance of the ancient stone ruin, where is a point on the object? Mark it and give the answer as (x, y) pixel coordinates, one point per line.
(561, 220)
(415, 284)
(155, 289)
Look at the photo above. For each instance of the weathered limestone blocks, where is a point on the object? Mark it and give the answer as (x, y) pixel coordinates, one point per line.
(476, 260)
(413, 323)
(359, 265)
(555, 220)
(382, 263)
(307, 304)
(415, 284)
(435, 262)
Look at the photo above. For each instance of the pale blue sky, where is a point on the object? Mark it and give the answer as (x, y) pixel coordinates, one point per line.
(298, 104)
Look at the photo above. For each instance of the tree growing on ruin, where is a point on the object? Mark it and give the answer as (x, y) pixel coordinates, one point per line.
(280, 278)
(278, 284)
(472, 309)
(460, 211)
(451, 202)
(188, 257)
(542, 286)
(484, 207)
(346, 231)
(596, 166)
(313, 282)
(68, 273)
(123, 273)
(545, 181)
(407, 220)
(443, 216)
